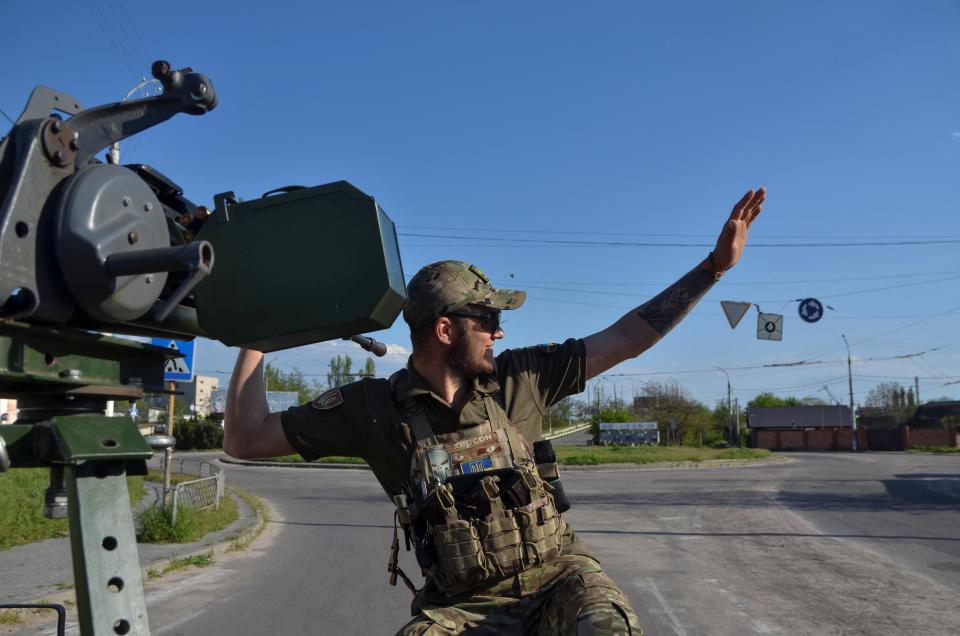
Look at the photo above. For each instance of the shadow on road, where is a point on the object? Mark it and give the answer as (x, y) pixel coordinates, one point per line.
(761, 535)
(331, 525)
(914, 496)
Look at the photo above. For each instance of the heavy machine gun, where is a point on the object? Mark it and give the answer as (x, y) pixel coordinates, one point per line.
(88, 248)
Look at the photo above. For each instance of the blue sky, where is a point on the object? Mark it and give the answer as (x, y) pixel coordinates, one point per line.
(583, 124)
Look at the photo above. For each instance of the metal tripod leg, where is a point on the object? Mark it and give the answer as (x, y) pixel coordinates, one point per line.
(106, 568)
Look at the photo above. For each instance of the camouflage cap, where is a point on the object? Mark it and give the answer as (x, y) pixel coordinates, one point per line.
(440, 288)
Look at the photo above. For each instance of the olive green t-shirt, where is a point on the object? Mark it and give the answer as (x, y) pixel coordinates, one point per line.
(526, 382)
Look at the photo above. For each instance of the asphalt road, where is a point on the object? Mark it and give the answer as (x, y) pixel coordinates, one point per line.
(825, 544)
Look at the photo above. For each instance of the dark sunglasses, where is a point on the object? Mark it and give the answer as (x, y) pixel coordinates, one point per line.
(489, 320)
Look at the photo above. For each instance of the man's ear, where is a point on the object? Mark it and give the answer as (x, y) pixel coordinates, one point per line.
(443, 330)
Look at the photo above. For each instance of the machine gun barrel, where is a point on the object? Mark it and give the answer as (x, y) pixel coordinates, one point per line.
(367, 343)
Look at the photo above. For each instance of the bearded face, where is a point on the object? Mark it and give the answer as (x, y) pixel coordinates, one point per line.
(471, 352)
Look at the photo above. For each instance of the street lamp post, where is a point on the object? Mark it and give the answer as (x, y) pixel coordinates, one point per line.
(733, 442)
(853, 416)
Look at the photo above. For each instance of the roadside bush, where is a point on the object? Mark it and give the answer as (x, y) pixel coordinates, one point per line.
(192, 525)
(155, 525)
(198, 435)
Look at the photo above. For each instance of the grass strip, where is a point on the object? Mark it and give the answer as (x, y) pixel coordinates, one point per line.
(195, 561)
(595, 455)
(21, 512)
(261, 510)
(156, 476)
(935, 449)
(10, 617)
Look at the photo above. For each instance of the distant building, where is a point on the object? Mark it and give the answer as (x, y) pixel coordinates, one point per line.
(822, 428)
(199, 393)
(934, 424)
(818, 428)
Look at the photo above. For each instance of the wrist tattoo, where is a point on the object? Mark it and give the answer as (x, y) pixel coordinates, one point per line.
(665, 310)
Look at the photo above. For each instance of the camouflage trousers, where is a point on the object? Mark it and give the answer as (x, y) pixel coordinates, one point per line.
(569, 594)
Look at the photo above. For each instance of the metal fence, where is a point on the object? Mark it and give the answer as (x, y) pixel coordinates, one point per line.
(204, 492)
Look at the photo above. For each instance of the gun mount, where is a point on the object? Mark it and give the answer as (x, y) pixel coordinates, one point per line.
(88, 247)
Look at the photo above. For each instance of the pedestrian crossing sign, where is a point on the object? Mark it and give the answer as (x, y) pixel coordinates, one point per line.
(178, 369)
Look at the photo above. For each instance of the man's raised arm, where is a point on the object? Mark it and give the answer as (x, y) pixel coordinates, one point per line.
(643, 327)
(250, 430)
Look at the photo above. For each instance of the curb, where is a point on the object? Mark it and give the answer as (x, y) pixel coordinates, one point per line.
(247, 462)
(250, 532)
(707, 463)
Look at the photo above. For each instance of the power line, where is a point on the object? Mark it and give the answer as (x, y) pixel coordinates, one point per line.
(837, 295)
(886, 333)
(709, 236)
(10, 119)
(104, 27)
(130, 40)
(726, 283)
(571, 243)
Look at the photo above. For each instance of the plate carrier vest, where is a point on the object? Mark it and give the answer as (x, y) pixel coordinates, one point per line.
(477, 507)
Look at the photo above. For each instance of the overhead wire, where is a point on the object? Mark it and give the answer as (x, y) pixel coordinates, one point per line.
(727, 283)
(572, 243)
(104, 27)
(780, 300)
(140, 52)
(685, 235)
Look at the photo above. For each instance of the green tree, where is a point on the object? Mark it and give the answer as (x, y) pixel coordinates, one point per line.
(674, 410)
(277, 380)
(700, 428)
(370, 369)
(770, 400)
(891, 399)
(607, 414)
(341, 371)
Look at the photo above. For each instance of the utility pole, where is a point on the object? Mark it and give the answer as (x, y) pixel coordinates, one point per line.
(853, 415)
(736, 402)
(168, 452)
(916, 389)
(733, 442)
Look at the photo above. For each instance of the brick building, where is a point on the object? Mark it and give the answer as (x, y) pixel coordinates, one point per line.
(814, 428)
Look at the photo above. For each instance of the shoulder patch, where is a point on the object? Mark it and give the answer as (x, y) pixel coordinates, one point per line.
(548, 348)
(328, 399)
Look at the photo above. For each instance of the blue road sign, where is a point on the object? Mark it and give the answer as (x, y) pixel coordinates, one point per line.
(178, 369)
(810, 309)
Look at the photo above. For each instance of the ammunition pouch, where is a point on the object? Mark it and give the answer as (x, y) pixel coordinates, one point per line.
(519, 528)
(460, 560)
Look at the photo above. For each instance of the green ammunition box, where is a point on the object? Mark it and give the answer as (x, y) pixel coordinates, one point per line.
(303, 266)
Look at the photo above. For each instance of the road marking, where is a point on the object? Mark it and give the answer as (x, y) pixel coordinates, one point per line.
(175, 588)
(670, 612)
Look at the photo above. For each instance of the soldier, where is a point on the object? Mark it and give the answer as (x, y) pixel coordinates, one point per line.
(449, 438)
